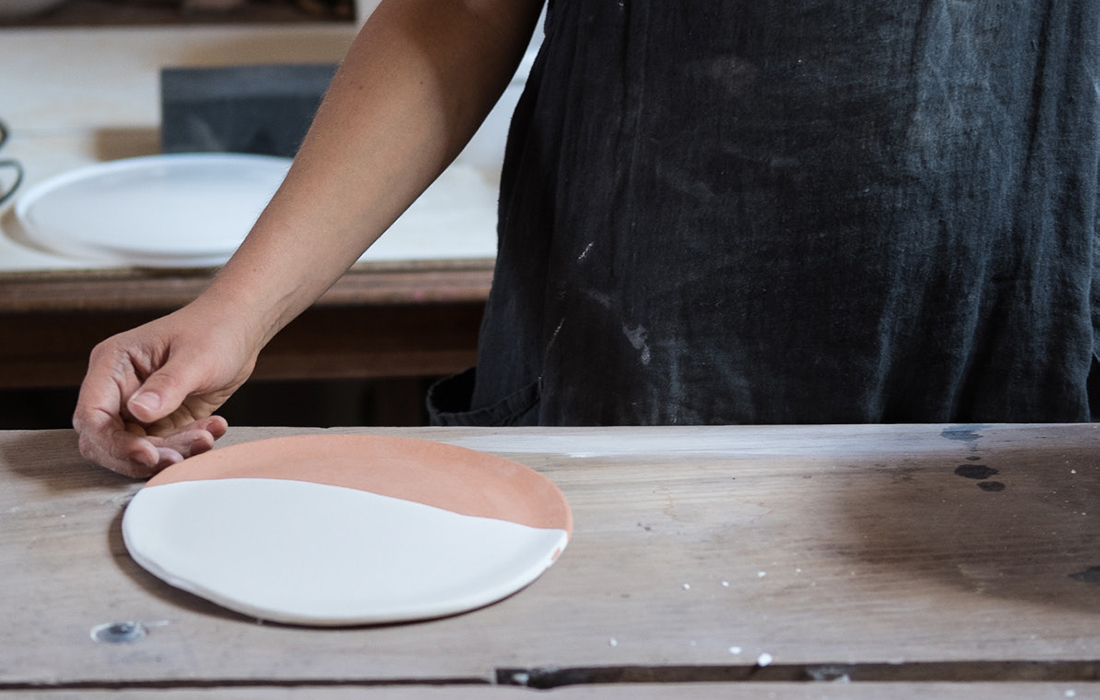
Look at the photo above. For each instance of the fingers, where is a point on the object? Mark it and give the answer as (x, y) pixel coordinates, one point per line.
(104, 436)
(190, 441)
(110, 438)
(106, 441)
(129, 451)
(167, 457)
(215, 425)
(165, 390)
(168, 450)
(147, 399)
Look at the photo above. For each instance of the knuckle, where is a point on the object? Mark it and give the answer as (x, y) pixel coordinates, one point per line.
(88, 449)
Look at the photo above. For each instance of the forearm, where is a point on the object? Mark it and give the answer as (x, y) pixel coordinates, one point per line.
(415, 85)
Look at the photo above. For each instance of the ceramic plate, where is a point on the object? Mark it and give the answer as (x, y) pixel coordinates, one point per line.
(167, 210)
(344, 530)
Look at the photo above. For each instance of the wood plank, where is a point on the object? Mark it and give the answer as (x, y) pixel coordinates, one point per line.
(683, 691)
(378, 320)
(369, 341)
(424, 282)
(694, 548)
(375, 341)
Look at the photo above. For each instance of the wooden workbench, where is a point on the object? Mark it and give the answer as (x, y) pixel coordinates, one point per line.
(379, 320)
(732, 562)
(411, 310)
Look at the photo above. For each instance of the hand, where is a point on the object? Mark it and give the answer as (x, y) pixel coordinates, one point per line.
(149, 396)
(415, 85)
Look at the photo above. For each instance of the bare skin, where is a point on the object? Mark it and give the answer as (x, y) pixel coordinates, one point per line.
(415, 85)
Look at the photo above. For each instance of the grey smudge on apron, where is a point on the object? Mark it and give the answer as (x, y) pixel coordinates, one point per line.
(797, 212)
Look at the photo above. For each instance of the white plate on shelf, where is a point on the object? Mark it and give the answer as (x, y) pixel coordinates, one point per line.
(332, 530)
(173, 210)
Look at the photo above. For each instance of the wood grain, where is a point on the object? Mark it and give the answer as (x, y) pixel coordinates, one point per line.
(853, 551)
(141, 289)
(680, 691)
(379, 320)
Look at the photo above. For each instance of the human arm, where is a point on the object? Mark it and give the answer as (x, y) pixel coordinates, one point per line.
(413, 88)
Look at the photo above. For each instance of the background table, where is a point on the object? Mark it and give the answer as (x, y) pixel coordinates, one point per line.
(910, 561)
(98, 100)
(379, 320)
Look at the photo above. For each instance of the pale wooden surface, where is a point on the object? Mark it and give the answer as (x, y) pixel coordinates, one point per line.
(847, 551)
(679, 691)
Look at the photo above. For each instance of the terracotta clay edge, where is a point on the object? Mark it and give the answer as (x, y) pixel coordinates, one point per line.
(445, 476)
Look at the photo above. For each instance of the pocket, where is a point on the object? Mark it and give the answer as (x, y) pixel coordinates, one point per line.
(449, 404)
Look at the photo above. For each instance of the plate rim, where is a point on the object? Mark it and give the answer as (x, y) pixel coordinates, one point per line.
(34, 194)
(431, 609)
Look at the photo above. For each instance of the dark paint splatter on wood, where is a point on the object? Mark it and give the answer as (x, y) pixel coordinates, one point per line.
(975, 471)
(1089, 575)
(967, 433)
(991, 486)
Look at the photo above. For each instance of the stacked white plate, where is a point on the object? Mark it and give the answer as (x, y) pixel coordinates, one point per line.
(177, 210)
(195, 209)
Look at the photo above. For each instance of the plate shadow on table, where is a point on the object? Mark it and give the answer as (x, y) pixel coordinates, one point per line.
(159, 589)
(1011, 521)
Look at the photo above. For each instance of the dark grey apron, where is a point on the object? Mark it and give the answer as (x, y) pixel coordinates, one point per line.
(797, 212)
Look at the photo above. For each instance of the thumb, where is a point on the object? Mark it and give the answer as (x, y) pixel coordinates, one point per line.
(162, 393)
